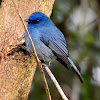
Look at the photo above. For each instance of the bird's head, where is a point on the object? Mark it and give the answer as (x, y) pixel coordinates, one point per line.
(38, 19)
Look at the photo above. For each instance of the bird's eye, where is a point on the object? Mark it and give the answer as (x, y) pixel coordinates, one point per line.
(36, 21)
(32, 21)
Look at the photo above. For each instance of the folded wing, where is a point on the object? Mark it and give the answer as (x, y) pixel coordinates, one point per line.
(58, 45)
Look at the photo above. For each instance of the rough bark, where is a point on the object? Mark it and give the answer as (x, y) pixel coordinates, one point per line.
(17, 70)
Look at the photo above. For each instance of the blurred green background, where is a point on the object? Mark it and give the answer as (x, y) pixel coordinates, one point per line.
(79, 20)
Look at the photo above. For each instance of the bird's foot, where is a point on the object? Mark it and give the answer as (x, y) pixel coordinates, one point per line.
(44, 65)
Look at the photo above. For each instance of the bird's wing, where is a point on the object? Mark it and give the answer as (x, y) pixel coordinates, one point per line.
(58, 45)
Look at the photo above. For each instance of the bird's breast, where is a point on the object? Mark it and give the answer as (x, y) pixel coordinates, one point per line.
(42, 50)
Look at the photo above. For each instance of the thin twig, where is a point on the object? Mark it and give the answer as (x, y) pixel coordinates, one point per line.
(35, 55)
(55, 82)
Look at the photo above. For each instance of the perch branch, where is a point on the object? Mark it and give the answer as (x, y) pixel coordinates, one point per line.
(55, 82)
(35, 55)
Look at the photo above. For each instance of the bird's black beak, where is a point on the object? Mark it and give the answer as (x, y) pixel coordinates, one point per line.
(27, 20)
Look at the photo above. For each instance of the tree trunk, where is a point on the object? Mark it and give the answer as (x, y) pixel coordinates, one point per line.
(17, 70)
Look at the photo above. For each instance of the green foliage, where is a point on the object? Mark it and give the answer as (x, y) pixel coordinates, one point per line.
(0, 2)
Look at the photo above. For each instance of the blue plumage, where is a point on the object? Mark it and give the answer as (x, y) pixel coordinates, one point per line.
(48, 40)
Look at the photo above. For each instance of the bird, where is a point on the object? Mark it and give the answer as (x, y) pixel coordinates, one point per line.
(49, 41)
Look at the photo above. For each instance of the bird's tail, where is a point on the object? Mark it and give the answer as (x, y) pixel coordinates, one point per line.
(75, 69)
